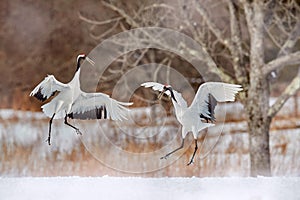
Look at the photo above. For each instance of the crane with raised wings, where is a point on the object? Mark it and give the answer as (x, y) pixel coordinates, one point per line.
(72, 102)
(200, 114)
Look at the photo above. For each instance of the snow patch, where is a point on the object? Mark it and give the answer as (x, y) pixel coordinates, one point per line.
(74, 188)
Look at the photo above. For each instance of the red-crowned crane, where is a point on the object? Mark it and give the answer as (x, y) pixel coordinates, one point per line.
(202, 108)
(71, 102)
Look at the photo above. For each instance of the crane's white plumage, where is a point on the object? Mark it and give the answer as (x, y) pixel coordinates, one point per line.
(47, 88)
(160, 87)
(220, 92)
(202, 108)
(71, 102)
(99, 104)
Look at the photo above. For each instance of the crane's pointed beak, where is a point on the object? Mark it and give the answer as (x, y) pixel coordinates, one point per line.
(90, 61)
(161, 94)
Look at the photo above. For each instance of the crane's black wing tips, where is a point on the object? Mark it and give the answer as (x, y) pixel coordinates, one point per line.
(96, 113)
(211, 104)
(39, 95)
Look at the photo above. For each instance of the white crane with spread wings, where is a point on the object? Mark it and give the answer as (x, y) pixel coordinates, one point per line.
(73, 103)
(202, 108)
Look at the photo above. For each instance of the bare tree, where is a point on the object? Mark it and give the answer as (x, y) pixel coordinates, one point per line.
(241, 37)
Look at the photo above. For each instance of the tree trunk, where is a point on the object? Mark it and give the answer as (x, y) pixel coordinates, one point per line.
(257, 103)
(259, 125)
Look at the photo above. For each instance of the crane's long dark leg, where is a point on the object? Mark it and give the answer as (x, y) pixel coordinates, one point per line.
(67, 123)
(167, 155)
(50, 123)
(196, 147)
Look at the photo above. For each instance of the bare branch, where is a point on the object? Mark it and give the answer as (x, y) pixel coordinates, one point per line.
(235, 28)
(140, 57)
(290, 59)
(236, 50)
(291, 41)
(95, 22)
(270, 12)
(289, 91)
(213, 27)
(280, 25)
(273, 39)
(168, 71)
(98, 37)
(122, 13)
(162, 5)
(123, 26)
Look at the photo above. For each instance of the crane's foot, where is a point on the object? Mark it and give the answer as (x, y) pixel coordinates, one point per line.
(191, 162)
(48, 140)
(164, 157)
(78, 131)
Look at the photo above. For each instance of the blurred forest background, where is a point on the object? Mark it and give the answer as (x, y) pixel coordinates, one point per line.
(40, 38)
(44, 37)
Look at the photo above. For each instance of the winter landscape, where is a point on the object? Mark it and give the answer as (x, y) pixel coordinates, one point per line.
(88, 173)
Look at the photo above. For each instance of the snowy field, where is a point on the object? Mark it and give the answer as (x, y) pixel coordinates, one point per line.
(134, 147)
(150, 188)
(24, 152)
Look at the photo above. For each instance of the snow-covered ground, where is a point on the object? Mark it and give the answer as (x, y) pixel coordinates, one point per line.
(78, 188)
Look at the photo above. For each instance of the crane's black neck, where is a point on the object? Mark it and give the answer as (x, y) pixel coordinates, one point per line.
(172, 93)
(79, 62)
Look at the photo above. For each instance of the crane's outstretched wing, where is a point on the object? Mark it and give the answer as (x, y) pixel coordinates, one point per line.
(98, 106)
(209, 94)
(159, 87)
(47, 88)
